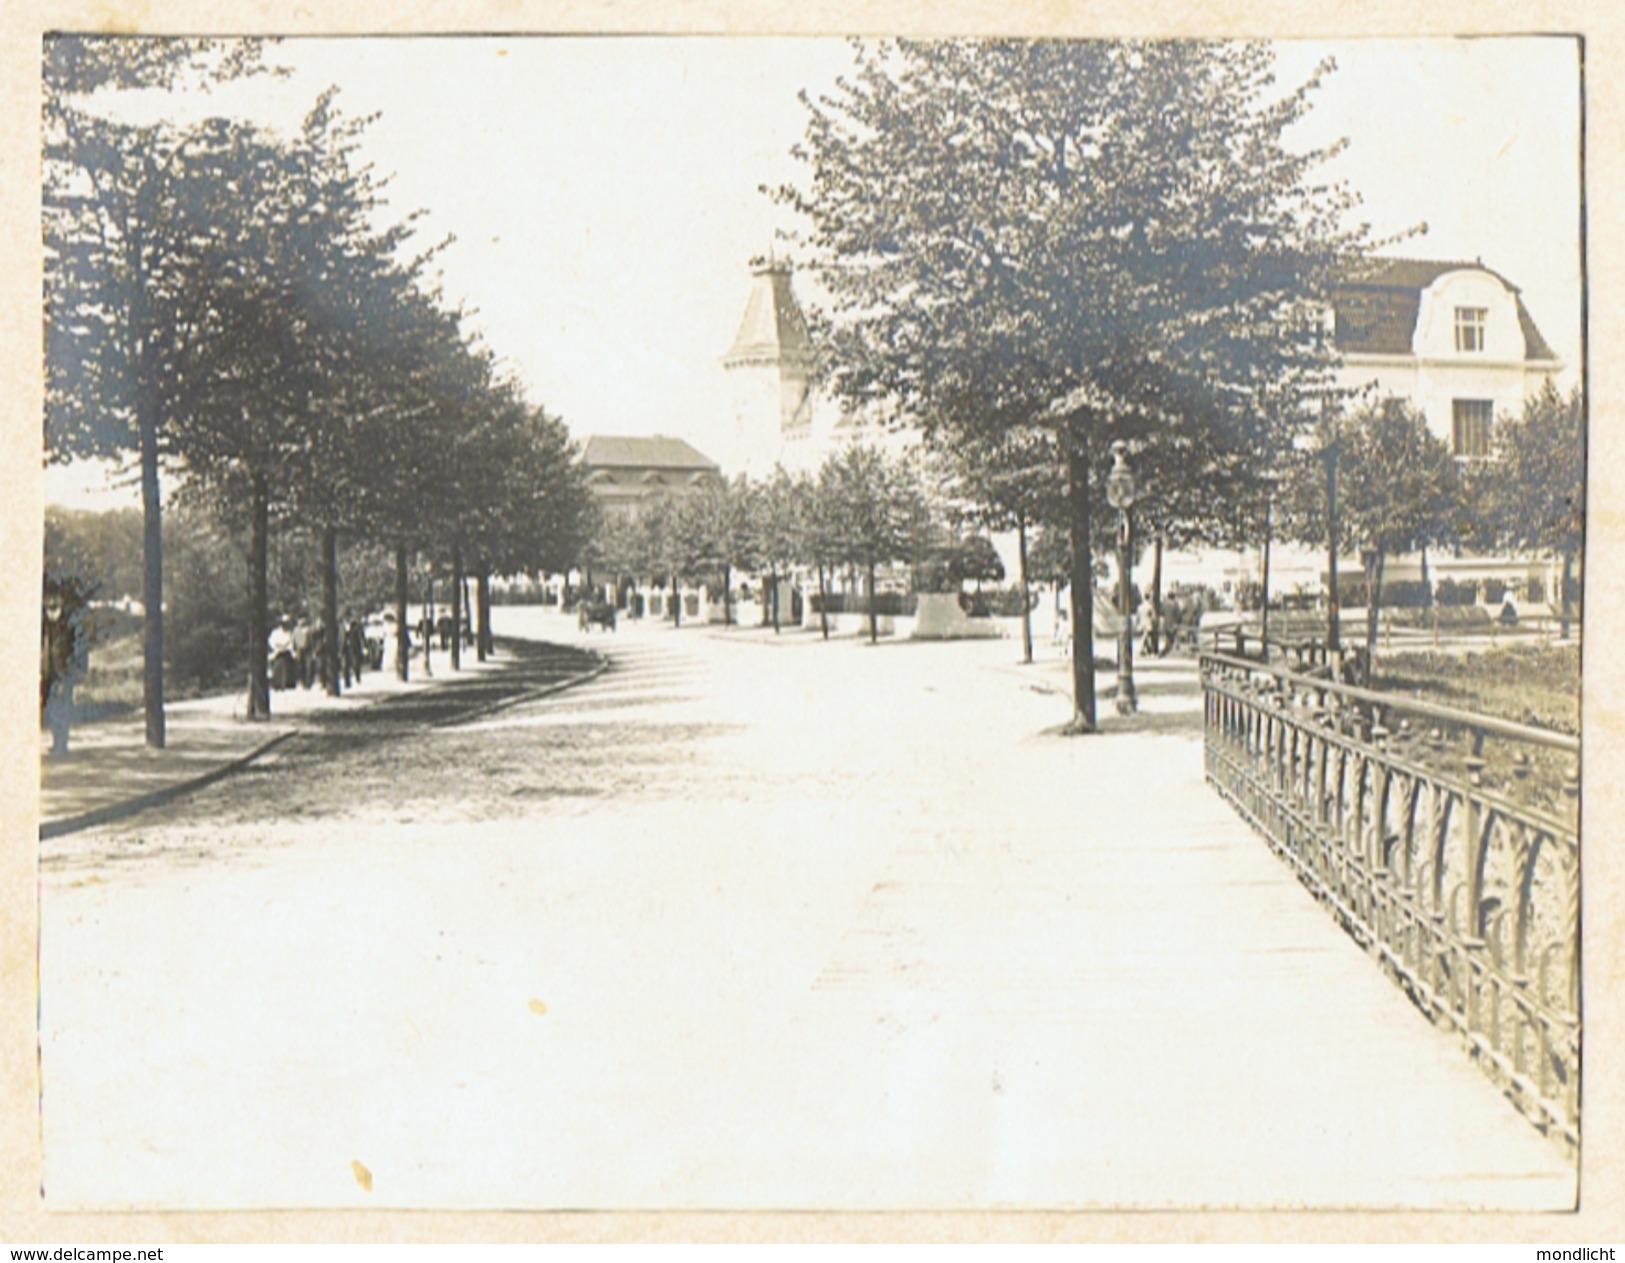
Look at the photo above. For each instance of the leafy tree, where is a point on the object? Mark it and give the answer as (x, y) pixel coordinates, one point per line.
(513, 491)
(102, 550)
(610, 543)
(821, 541)
(1397, 491)
(543, 513)
(870, 506)
(305, 279)
(422, 382)
(125, 335)
(1110, 239)
(713, 525)
(660, 549)
(776, 531)
(1009, 481)
(1532, 494)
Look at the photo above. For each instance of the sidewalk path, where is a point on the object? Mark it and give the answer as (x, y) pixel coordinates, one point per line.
(109, 771)
(739, 926)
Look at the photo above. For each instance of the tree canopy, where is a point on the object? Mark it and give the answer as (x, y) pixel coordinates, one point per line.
(230, 304)
(1112, 239)
(1397, 490)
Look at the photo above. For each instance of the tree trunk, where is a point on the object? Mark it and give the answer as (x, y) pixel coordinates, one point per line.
(1563, 596)
(468, 611)
(823, 601)
(676, 603)
(456, 609)
(403, 633)
(259, 616)
(1026, 602)
(152, 572)
(776, 586)
(428, 625)
(1082, 579)
(1427, 596)
(874, 621)
(1264, 584)
(1157, 638)
(482, 597)
(1373, 602)
(330, 608)
(727, 595)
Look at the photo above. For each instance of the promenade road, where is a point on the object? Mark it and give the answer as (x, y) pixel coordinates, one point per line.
(741, 923)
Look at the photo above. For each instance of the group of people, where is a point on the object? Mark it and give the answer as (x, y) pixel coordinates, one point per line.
(1181, 613)
(443, 629)
(300, 655)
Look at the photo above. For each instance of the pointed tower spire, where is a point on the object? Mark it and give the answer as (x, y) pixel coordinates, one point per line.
(770, 364)
(774, 330)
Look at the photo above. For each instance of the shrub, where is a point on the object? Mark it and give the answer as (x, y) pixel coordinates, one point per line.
(1007, 602)
(892, 603)
(1449, 592)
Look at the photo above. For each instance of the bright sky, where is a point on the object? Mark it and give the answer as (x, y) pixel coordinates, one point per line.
(604, 191)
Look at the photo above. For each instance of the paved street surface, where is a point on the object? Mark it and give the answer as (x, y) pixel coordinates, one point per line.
(742, 922)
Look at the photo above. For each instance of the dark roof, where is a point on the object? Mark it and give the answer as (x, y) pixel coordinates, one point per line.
(1377, 303)
(1535, 347)
(638, 452)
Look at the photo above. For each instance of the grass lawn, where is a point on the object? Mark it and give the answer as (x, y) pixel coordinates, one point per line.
(1528, 684)
(112, 680)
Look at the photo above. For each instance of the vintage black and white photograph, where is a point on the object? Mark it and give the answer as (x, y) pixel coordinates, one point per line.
(723, 622)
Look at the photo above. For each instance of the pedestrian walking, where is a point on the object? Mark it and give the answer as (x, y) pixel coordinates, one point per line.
(65, 655)
(352, 649)
(304, 659)
(321, 655)
(283, 659)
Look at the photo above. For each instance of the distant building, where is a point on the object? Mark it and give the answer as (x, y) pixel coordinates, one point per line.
(777, 414)
(1454, 339)
(769, 371)
(623, 472)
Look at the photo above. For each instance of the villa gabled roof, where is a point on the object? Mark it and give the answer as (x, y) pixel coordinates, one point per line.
(774, 328)
(616, 451)
(1376, 306)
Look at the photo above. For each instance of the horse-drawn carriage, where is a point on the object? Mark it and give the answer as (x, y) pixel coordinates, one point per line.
(596, 613)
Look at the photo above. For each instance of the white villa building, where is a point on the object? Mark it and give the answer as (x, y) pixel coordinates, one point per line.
(1452, 338)
(1455, 340)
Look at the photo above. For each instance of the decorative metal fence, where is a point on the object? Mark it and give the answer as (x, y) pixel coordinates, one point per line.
(1447, 844)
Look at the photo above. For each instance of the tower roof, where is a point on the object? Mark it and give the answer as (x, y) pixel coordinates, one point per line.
(774, 329)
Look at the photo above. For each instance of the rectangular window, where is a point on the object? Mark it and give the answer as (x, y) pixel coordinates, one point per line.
(1470, 426)
(1470, 328)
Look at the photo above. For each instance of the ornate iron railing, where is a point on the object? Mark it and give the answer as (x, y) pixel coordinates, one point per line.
(1447, 844)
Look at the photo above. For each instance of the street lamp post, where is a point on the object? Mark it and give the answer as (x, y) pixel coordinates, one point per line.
(1269, 531)
(1120, 494)
(1333, 616)
(1327, 454)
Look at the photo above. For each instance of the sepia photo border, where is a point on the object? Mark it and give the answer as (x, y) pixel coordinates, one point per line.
(1600, 1218)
